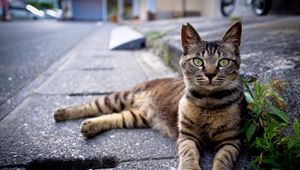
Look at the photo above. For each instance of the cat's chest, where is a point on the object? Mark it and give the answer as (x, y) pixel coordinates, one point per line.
(207, 121)
(212, 122)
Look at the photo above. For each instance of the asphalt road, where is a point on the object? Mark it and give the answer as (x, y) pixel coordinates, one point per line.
(27, 48)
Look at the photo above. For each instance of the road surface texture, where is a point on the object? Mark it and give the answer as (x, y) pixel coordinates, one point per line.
(29, 137)
(28, 48)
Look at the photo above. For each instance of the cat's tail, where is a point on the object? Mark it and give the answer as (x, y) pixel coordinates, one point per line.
(112, 103)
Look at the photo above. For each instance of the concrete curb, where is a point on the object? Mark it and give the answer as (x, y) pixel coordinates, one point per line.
(126, 38)
(171, 52)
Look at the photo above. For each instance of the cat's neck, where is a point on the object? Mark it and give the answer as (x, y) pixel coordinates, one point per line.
(216, 92)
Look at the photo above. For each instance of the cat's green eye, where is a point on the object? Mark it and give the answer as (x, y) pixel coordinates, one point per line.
(198, 62)
(224, 62)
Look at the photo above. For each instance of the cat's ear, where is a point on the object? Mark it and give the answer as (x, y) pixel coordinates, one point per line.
(232, 37)
(189, 37)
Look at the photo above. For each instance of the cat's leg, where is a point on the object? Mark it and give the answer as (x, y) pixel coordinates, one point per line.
(112, 103)
(188, 144)
(227, 154)
(126, 119)
(188, 153)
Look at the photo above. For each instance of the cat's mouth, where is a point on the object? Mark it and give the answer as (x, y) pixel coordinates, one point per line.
(209, 85)
(212, 83)
(215, 83)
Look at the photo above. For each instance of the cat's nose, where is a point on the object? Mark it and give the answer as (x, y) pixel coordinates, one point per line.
(210, 75)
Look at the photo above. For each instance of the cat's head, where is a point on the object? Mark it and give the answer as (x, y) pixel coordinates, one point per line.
(210, 64)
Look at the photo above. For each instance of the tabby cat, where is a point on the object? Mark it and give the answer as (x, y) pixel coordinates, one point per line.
(203, 107)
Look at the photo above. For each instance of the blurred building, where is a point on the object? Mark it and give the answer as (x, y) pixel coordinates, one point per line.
(113, 10)
(181, 8)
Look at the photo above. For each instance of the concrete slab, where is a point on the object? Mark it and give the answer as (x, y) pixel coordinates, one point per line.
(126, 38)
(110, 73)
(30, 135)
(161, 164)
(104, 72)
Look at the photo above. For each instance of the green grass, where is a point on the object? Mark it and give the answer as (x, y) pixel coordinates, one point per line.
(158, 34)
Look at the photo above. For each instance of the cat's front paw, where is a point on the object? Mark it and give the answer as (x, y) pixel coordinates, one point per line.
(88, 128)
(60, 115)
(189, 166)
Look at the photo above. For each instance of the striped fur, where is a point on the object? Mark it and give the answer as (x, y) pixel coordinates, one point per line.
(199, 110)
(142, 106)
(209, 111)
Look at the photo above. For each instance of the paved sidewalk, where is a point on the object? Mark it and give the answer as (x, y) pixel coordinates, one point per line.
(29, 137)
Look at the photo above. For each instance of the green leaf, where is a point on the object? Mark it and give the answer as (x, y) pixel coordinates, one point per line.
(260, 143)
(250, 130)
(276, 169)
(279, 113)
(248, 97)
(259, 89)
(290, 144)
(296, 127)
(271, 162)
